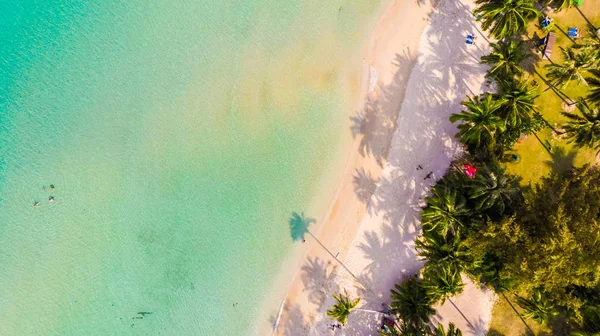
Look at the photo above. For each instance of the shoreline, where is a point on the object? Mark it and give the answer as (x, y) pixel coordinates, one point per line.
(382, 252)
(393, 34)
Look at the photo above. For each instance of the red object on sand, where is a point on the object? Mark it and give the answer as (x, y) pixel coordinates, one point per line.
(470, 170)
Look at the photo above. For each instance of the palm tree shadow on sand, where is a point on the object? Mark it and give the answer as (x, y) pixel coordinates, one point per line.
(445, 73)
(317, 278)
(364, 185)
(299, 226)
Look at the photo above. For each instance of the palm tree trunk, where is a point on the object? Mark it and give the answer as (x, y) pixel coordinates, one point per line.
(548, 123)
(516, 312)
(463, 315)
(542, 143)
(594, 29)
(552, 86)
(336, 259)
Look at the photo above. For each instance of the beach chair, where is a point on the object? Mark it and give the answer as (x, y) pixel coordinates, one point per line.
(470, 39)
(574, 32)
(546, 22)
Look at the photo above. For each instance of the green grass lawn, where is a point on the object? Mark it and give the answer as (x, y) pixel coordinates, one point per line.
(505, 321)
(535, 162)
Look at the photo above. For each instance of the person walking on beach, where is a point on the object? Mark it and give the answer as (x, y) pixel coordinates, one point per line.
(428, 175)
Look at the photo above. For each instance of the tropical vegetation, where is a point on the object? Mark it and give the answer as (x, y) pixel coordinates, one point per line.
(341, 310)
(536, 244)
(505, 18)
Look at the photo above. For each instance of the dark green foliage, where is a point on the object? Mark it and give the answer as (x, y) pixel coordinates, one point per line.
(494, 191)
(413, 302)
(445, 211)
(505, 59)
(480, 122)
(594, 83)
(517, 99)
(573, 67)
(505, 18)
(583, 128)
(443, 251)
(553, 242)
(452, 330)
(424, 330)
(341, 310)
(538, 307)
(443, 282)
(488, 272)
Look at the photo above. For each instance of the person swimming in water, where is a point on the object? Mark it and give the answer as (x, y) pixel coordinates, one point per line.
(44, 189)
(36, 204)
(51, 199)
(52, 187)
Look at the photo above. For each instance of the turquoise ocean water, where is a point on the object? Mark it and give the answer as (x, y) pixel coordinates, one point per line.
(180, 135)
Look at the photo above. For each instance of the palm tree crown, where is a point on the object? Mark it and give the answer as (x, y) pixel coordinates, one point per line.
(594, 83)
(445, 210)
(452, 330)
(443, 282)
(517, 99)
(412, 302)
(480, 121)
(505, 59)
(537, 307)
(341, 310)
(491, 190)
(505, 17)
(447, 251)
(572, 68)
(584, 129)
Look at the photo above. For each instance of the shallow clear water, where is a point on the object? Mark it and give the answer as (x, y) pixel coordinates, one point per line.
(180, 136)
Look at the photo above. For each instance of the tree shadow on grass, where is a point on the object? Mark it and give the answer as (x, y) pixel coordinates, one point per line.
(561, 159)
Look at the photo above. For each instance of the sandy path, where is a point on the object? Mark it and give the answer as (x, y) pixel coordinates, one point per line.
(382, 253)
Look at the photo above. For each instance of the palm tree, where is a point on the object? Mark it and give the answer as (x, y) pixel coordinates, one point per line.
(505, 59)
(538, 307)
(412, 302)
(480, 121)
(572, 68)
(452, 330)
(444, 251)
(445, 210)
(590, 44)
(406, 330)
(594, 83)
(442, 282)
(517, 99)
(341, 309)
(505, 17)
(584, 129)
(491, 190)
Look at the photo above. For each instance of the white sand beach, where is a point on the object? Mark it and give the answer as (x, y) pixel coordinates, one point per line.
(425, 69)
